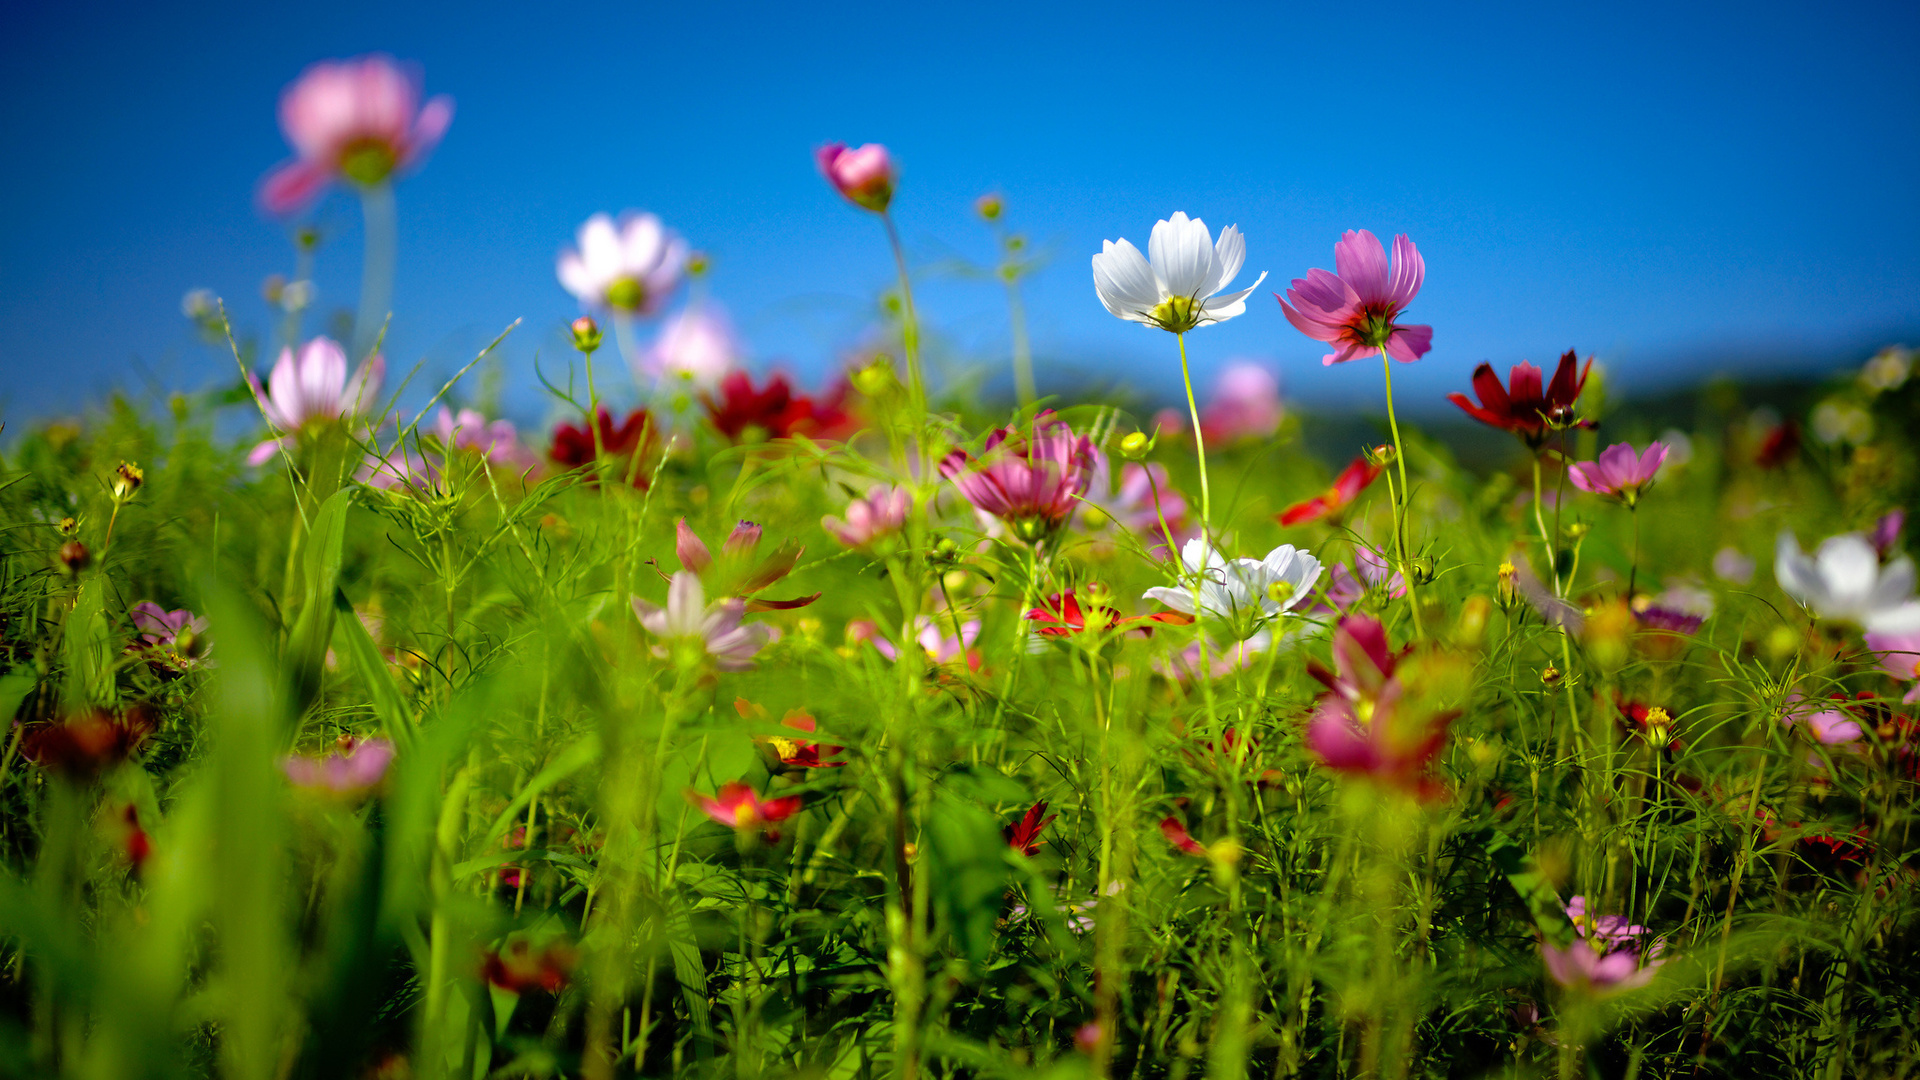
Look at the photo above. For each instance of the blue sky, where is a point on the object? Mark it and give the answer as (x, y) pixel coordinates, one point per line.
(1675, 187)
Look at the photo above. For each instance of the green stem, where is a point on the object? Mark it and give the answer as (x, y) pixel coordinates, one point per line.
(1199, 441)
(909, 333)
(1404, 496)
(376, 267)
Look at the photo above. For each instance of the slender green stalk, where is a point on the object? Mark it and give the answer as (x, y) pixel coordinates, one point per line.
(376, 268)
(1401, 501)
(1199, 442)
(909, 333)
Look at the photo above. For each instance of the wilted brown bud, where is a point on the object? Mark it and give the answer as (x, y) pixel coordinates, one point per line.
(127, 479)
(586, 334)
(75, 556)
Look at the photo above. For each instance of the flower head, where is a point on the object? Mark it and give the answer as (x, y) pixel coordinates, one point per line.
(939, 646)
(1845, 581)
(1139, 501)
(1181, 288)
(798, 753)
(738, 806)
(696, 347)
(178, 638)
(1354, 310)
(1176, 833)
(1610, 955)
(737, 572)
(353, 769)
(1244, 592)
(1619, 473)
(1032, 479)
(1062, 615)
(1023, 836)
(1522, 407)
(1899, 657)
(744, 413)
(312, 388)
(717, 629)
(865, 176)
(360, 120)
(629, 446)
(631, 268)
(1245, 404)
(1334, 501)
(880, 515)
(518, 965)
(1385, 714)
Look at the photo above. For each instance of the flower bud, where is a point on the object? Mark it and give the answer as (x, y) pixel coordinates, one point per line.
(1383, 454)
(1136, 446)
(1659, 726)
(1472, 627)
(875, 378)
(1421, 567)
(127, 479)
(1508, 583)
(1549, 676)
(698, 263)
(67, 526)
(864, 175)
(199, 305)
(989, 206)
(75, 556)
(946, 551)
(586, 334)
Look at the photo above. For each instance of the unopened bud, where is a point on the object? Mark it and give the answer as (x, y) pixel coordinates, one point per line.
(946, 551)
(307, 239)
(1097, 592)
(1659, 726)
(1383, 454)
(698, 263)
(989, 206)
(75, 556)
(586, 334)
(1473, 621)
(67, 526)
(1422, 569)
(1550, 676)
(876, 378)
(1136, 446)
(1508, 582)
(127, 479)
(1577, 530)
(198, 305)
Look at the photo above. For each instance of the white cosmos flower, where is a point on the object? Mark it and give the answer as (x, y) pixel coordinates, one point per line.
(1241, 591)
(1181, 288)
(630, 268)
(1844, 580)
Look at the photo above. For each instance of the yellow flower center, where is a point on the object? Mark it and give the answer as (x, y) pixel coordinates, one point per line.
(368, 161)
(627, 294)
(1178, 314)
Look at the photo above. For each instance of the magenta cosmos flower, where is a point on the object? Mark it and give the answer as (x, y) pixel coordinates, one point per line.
(1373, 722)
(1620, 473)
(864, 176)
(1029, 479)
(355, 768)
(880, 515)
(360, 120)
(1354, 310)
(313, 388)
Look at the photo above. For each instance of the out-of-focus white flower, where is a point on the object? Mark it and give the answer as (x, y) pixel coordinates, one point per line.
(695, 346)
(1679, 446)
(199, 305)
(1181, 287)
(1245, 592)
(1844, 581)
(1837, 420)
(631, 267)
(1888, 370)
(297, 296)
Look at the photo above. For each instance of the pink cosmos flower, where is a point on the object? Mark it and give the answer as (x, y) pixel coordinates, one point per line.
(864, 176)
(1130, 503)
(1369, 723)
(1829, 727)
(1620, 473)
(1900, 658)
(631, 268)
(740, 570)
(1612, 931)
(313, 388)
(881, 514)
(1886, 533)
(353, 770)
(738, 806)
(173, 639)
(696, 347)
(1031, 480)
(718, 628)
(931, 635)
(1588, 965)
(1245, 405)
(1354, 310)
(495, 441)
(358, 120)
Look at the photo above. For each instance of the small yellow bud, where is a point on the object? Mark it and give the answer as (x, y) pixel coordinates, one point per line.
(586, 334)
(698, 263)
(1135, 446)
(876, 378)
(989, 206)
(1508, 583)
(1550, 675)
(67, 526)
(127, 479)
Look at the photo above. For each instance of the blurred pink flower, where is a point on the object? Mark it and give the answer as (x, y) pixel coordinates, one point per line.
(1032, 479)
(1899, 657)
(1729, 564)
(313, 388)
(497, 442)
(359, 120)
(630, 268)
(931, 635)
(1588, 965)
(1620, 473)
(1130, 504)
(865, 176)
(1245, 404)
(881, 514)
(175, 639)
(1886, 533)
(1830, 726)
(718, 627)
(696, 346)
(1365, 724)
(358, 766)
(1612, 931)
(1354, 310)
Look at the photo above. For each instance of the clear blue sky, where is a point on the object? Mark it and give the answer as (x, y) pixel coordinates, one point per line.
(1664, 184)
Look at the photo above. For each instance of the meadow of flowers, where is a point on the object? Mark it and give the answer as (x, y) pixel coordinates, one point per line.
(737, 727)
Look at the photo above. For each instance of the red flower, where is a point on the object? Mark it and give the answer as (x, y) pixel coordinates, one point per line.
(89, 744)
(796, 754)
(630, 444)
(1062, 616)
(1023, 836)
(737, 806)
(517, 966)
(1177, 833)
(1334, 501)
(775, 411)
(1521, 407)
(1780, 446)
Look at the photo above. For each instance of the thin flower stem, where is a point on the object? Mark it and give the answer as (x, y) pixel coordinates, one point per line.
(1540, 522)
(909, 333)
(1633, 570)
(376, 267)
(1404, 496)
(1199, 441)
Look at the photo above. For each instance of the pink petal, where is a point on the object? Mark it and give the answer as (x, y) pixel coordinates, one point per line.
(1362, 264)
(292, 187)
(1409, 270)
(691, 550)
(1409, 343)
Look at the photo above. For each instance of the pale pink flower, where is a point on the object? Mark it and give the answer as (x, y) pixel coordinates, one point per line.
(696, 347)
(1588, 965)
(1729, 564)
(718, 627)
(353, 770)
(313, 388)
(881, 514)
(1130, 503)
(1899, 657)
(1354, 310)
(495, 440)
(359, 120)
(178, 637)
(933, 637)
(1619, 473)
(864, 176)
(1245, 404)
(630, 268)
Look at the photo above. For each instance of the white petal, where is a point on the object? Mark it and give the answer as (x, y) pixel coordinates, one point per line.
(1895, 586)
(1229, 254)
(686, 604)
(1904, 619)
(1181, 251)
(578, 280)
(642, 241)
(1224, 307)
(1180, 600)
(1124, 280)
(1849, 567)
(600, 247)
(1796, 573)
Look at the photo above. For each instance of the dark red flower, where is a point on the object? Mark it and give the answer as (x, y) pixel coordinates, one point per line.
(746, 414)
(1330, 503)
(629, 446)
(795, 754)
(1780, 446)
(1062, 616)
(1177, 834)
(1023, 836)
(86, 745)
(1521, 406)
(518, 966)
